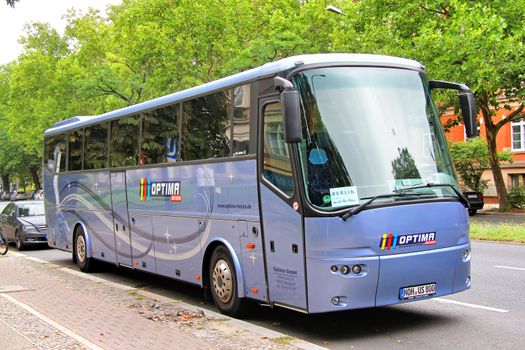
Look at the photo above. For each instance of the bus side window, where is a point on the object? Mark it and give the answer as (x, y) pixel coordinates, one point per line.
(206, 127)
(96, 141)
(124, 141)
(241, 120)
(54, 154)
(160, 135)
(277, 167)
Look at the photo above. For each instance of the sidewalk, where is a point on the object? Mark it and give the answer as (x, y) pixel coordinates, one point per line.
(50, 307)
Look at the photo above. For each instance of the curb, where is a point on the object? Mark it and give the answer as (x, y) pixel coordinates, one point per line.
(258, 330)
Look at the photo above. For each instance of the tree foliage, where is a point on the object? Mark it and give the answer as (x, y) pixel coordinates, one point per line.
(146, 48)
(471, 159)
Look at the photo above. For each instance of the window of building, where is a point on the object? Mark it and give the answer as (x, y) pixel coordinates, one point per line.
(515, 180)
(277, 167)
(124, 141)
(54, 153)
(96, 144)
(76, 145)
(241, 120)
(518, 135)
(160, 135)
(206, 127)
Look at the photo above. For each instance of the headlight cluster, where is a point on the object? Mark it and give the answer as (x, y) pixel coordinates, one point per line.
(30, 229)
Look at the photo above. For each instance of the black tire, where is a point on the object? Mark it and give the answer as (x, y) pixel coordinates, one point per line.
(19, 244)
(223, 284)
(85, 263)
(4, 244)
(472, 212)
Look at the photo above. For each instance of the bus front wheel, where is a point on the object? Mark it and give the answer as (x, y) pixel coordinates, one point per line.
(80, 251)
(223, 283)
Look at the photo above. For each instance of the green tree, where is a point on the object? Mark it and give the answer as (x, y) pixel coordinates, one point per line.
(479, 43)
(471, 159)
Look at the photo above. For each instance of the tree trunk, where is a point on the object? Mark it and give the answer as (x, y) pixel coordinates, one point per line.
(492, 131)
(5, 182)
(36, 178)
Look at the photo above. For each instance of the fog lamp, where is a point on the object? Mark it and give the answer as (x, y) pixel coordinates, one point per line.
(466, 255)
(335, 300)
(345, 269)
(357, 269)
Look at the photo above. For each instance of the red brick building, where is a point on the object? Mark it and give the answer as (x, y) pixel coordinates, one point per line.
(511, 137)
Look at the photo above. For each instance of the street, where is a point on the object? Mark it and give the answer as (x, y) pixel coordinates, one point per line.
(490, 315)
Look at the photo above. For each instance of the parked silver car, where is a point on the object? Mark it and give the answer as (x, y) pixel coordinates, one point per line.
(24, 223)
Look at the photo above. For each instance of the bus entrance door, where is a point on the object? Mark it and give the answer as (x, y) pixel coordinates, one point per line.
(119, 204)
(282, 222)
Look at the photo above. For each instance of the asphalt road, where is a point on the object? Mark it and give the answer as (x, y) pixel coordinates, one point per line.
(490, 315)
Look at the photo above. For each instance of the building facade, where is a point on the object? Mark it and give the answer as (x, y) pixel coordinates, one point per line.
(511, 137)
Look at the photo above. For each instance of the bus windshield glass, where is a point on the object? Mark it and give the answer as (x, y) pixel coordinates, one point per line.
(370, 132)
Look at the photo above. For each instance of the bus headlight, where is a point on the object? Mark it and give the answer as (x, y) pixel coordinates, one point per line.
(357, 269)
(345, 270)
(466, 255)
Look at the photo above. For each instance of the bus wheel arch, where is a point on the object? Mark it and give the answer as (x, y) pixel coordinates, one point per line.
(220, 262)
(82, 248)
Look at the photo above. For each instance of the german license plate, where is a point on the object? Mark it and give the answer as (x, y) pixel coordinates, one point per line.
(417, 292)
(472, 196)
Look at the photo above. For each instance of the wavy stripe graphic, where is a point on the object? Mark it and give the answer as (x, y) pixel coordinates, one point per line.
(203, 229)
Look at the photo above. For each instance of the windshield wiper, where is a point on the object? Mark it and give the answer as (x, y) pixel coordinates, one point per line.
(430, 185)
(404, 192)
(361, 207)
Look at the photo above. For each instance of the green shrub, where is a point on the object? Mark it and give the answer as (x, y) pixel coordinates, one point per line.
(517, 197)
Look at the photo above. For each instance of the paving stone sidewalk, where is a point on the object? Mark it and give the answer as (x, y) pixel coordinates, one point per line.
(55, 309)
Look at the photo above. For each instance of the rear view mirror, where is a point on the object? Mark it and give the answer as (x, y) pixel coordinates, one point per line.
(466, 102)
(468, 110)
(291, 103)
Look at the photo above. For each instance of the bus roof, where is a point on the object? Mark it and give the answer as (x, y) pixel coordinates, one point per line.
(268, 69)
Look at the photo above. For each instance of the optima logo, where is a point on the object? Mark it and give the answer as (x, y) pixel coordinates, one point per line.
(393, 241)
(162, 190)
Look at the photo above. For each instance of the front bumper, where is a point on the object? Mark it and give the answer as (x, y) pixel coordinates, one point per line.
(382, 277)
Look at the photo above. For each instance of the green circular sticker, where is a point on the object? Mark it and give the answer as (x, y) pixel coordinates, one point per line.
(327, 198)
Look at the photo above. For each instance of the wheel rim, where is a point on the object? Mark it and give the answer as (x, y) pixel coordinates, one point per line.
(18, 242)
(222, 281)
(81, 249)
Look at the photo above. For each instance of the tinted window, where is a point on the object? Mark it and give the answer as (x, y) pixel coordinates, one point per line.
(54, 153)
(31, 209)
(76, 144)
(8, 209)
(124, 141)
(95, 156)
(241, 120)
(277, 166)
(206, 127)
(160, 135)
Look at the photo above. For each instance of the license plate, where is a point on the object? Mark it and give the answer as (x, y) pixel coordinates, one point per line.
(416, 292)
(472, 196)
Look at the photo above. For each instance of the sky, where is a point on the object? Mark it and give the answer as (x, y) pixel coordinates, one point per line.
(12, 20)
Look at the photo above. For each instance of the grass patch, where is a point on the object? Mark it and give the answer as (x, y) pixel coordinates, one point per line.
(281, 340)
(504, 232)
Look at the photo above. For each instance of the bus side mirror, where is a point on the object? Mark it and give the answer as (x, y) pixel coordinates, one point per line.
(468, 110)
(466, 102)
(291, 103)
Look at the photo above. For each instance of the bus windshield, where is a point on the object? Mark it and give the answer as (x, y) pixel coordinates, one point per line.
(370, 132)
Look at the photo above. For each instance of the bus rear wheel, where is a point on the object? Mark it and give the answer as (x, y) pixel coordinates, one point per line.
(223, 284)
(84, 262)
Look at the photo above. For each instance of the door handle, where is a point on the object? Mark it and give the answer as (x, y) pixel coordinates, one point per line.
(116, 227)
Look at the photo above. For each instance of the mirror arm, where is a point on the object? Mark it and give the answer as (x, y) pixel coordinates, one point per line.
(440, 84)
